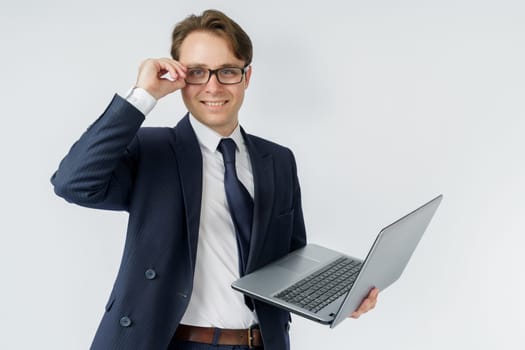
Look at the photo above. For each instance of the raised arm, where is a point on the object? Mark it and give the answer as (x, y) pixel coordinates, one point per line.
(99, 169)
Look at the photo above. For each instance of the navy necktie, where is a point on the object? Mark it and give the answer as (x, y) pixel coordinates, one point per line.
(241, 206)
(239, 201)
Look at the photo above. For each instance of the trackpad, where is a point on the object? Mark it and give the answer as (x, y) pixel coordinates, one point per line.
(298, 263)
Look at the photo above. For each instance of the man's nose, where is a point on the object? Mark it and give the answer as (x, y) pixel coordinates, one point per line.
(213, 84)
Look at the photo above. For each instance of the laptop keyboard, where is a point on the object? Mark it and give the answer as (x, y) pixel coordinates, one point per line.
(319, 289)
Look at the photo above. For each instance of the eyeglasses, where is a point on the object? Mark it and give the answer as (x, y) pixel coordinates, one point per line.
(225, 75)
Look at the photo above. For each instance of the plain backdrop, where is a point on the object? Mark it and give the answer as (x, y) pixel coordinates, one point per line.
(385, 104)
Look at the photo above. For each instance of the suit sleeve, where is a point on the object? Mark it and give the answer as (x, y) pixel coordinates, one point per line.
(98, 171)
(299, 231)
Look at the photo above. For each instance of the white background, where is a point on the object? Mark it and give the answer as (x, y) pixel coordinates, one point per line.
(385, 103)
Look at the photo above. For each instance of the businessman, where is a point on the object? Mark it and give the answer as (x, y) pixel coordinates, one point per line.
(207, 201)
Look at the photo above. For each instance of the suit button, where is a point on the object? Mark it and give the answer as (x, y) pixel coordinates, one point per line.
(125, 321)
(150, 274)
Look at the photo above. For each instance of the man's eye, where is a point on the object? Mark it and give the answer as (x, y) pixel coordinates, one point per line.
(229, 71)
(196, 73)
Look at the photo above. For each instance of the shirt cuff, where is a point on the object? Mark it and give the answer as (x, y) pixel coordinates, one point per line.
(141, 99)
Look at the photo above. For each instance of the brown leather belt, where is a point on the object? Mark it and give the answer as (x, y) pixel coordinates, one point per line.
(250, 337)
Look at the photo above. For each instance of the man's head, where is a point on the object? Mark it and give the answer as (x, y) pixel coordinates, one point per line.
(207, 43)
(218, 23)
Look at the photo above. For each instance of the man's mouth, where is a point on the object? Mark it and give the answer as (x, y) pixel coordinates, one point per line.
(215, 103)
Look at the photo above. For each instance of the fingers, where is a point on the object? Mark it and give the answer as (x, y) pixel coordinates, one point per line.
(369, 303)
(174, 68)
(374, 293)
(161, 76)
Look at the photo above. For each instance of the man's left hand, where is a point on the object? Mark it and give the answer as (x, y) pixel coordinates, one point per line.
(367, 304)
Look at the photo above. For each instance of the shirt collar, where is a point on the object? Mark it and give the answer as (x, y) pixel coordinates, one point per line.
(210, 139)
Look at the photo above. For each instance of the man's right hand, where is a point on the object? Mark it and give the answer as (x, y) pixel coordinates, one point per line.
(151, 71)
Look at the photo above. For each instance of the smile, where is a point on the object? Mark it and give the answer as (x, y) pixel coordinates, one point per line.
(215, 103)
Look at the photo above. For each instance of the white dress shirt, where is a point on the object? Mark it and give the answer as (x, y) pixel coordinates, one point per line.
(213, 302)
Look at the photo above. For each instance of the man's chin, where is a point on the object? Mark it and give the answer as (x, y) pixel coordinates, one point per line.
(217, 121)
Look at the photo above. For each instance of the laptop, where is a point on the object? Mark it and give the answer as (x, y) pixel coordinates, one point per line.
(326, 286)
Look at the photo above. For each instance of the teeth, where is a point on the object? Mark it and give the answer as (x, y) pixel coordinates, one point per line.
(209, 103)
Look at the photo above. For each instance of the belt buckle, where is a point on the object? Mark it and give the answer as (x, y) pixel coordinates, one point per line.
(250, 338)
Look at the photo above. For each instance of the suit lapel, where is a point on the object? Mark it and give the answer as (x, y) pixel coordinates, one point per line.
(262, 167)
(189, 161)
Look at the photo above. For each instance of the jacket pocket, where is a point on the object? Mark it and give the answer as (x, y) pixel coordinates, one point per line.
(110, 302)
(285, 214)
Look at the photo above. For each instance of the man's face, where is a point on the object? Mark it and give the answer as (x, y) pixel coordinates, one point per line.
(213, 104)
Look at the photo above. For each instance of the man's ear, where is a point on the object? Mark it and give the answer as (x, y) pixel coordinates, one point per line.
(247, 76)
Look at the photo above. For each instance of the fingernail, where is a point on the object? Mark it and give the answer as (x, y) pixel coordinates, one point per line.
(169, 77)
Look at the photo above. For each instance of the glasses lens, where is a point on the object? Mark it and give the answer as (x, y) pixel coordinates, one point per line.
(230, 75)
(197, 76)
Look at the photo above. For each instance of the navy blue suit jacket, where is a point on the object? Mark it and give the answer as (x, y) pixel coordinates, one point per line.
(156, 175)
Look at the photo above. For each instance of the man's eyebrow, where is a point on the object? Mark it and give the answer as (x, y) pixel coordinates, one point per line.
(196, 65)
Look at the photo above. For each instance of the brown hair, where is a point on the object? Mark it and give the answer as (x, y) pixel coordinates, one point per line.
(218, 23)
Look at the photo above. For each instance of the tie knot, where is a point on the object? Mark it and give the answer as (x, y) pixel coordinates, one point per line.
(227, 148)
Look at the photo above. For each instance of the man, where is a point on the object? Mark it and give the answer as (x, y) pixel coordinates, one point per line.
(207, 202)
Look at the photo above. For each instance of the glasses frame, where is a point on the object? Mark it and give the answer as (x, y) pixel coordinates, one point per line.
(216, 73)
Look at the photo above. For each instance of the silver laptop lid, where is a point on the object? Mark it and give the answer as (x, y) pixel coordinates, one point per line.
(388, 256)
